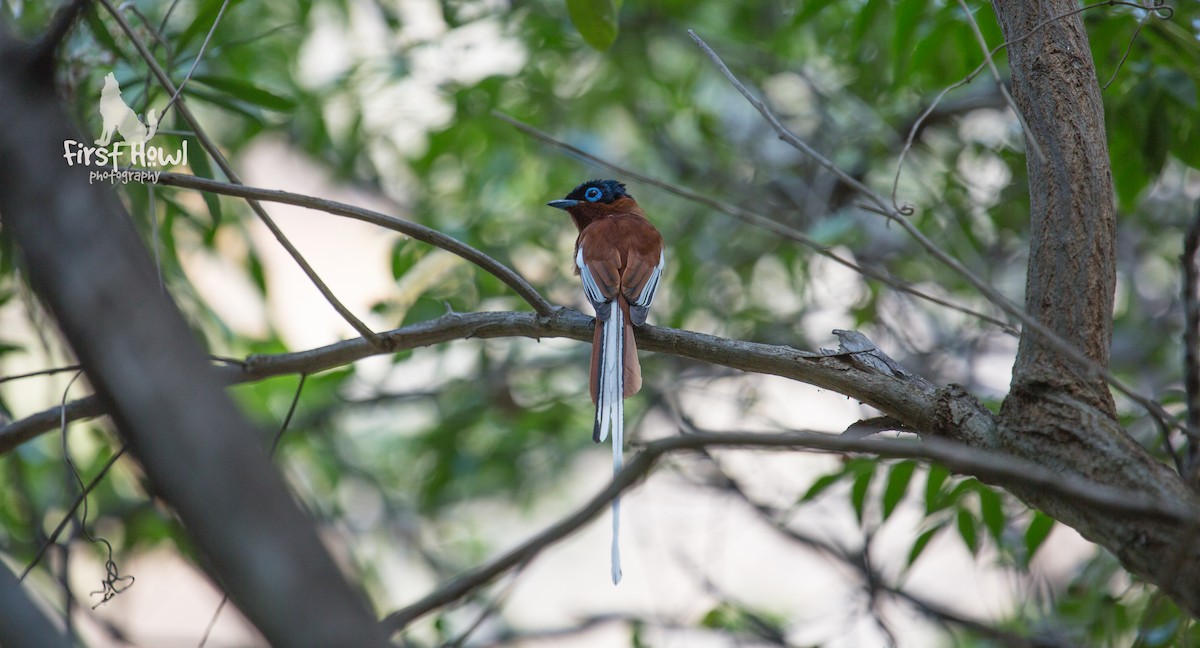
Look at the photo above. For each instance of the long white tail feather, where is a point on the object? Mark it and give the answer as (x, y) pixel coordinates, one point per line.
(610, 410)
(616, 543)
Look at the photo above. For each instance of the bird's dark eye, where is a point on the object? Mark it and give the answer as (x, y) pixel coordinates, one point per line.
(592, 194)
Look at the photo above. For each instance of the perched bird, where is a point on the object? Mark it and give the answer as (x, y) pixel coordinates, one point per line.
(619, 256)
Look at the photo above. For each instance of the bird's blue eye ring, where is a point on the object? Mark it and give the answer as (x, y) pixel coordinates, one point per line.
(592, 194)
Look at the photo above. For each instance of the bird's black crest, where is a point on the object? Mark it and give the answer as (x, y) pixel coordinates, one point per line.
(610, 190)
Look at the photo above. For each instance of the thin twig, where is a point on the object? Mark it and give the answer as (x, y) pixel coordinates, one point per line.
(879, 206)
(871, 579)
(213, 621)
(784, 133)
(1128, 48)
(414, 230)
(987, 57)
(196, 62)
(43, 372)
(225, 167)
(70, 514)
(755, 219)
(1157, 8)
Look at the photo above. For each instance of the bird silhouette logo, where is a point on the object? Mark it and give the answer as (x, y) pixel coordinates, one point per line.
(120, 118)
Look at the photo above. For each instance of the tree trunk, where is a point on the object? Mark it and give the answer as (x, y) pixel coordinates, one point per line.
(1058, 413)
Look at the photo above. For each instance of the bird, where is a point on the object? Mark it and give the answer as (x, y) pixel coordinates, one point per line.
(619, 257)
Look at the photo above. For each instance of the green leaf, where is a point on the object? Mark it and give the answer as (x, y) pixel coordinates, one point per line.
(257, 274)
(897, 486)
(596, 21)
(809, 9)
(247, 92)
(101, 32)
(858, 492)
(933, 488)
(201, 24)
(967, 529)
(823, 483)
(1035, 535)
(906, 24)
(991, 506)
(1163, 624)
(223, 100)
(919, 546)
(405, 254)
(201, 167)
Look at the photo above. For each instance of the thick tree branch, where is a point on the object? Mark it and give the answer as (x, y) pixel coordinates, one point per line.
(1033, 327)
(24, 624)
(88, 264)
(1060, 412)
(912, 400)
(1072, 262)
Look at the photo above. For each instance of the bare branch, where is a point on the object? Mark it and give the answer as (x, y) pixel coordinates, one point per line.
(43, 372)
(880, 206)
(913, 401)
(757, 220)
(871, 579)
(415, 230)
(955, 456)
(219, 158)
(987, 59)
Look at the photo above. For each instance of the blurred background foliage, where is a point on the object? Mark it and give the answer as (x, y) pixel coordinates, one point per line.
(401, 97)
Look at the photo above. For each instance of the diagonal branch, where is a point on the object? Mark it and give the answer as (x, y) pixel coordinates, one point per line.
(991, 64)
(757, 220)
(880, 206)
(218, 157)
(955, 456)
(871, 579)
(414, 230)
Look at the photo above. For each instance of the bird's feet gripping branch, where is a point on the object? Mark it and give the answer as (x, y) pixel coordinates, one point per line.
(619, 256)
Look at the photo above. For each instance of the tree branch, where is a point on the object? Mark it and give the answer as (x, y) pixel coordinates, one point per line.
(954, 455)
(88, 264)
(756, 220)
(227, 169)
(414, 230)
(910, 399)
(1000, 86)
(1034, 328)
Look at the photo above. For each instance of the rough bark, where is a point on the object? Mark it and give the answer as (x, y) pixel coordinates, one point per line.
(1072, 271)
(1058, 413)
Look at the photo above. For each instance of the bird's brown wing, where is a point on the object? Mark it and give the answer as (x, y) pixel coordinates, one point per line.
(621, 258)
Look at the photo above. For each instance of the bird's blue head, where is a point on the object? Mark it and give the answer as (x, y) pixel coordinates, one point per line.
(592, 191)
